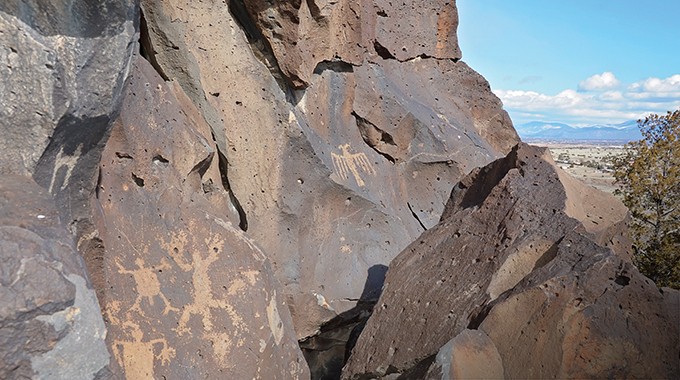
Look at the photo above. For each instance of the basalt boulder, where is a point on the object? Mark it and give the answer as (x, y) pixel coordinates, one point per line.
(337, 175)
(51, 326)
(67, 63)
(185, 292)
(302, 34)
(520, 257)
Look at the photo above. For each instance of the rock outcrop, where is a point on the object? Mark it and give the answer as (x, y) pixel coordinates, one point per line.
(188, 292)
(223, 199)
(338, 177)
(512, 280)
(50, 322)
(61, 87)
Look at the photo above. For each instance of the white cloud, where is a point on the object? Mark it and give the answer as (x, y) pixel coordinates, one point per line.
(606, 81)
(635, 101)
(612, 96)
(670, 84)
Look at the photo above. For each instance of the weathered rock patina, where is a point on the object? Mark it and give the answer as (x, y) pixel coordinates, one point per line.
(51, 326)
(189, 293)
(514, 228)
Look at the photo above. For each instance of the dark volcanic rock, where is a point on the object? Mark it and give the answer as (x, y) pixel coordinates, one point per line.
(337, 178)
(503, 223)
(187, 294)
(50, 322)
(66, 63)
(302, 34)
(588, 314)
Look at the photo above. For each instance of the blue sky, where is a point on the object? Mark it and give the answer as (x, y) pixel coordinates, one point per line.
(579, 62)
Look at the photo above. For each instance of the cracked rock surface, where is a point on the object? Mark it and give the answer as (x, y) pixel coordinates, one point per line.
(189, 292)
(50, 322)
(327, 171)
(229, 184)
(510, 259)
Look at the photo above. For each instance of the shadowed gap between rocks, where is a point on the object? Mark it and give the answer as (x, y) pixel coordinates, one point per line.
(328, 351)
(146, 48)
(147, 52)
(336, 66)
(223, 166)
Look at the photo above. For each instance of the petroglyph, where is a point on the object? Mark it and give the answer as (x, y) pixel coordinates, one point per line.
(202, 296)
(351, 163)
(275, 323)
(65, 160)
(137, 357)
(147, 285)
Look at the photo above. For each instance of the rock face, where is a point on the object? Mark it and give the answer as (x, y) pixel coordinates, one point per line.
(50, 322)
(303, 34)
(188, 293)
(327, 175)
(61, 80)
(229, 193)
(61, 87)
(512, 272)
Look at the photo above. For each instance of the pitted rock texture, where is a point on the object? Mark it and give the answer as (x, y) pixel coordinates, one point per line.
(502, 224)
(50, 322)
(267, 166)
(588, 314)
(303, 34)
(187, 293)
(67, 63)
(326, 176)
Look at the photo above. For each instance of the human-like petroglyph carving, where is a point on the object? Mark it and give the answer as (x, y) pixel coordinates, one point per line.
(203, 298)
(350, 163)
(147, 284)
(137, 357)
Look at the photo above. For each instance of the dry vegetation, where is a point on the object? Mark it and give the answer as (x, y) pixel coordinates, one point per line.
(585, 160)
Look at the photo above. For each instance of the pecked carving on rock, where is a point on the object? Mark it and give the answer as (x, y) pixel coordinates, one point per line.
(188, 293)
(257, 185)
(510, 258)
(324, 202)
(61, 89)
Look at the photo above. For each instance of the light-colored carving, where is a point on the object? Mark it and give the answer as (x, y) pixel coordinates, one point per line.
(65, 160)
(147, 285)
(351, 163)
(274, 318)
(137, 357)
(203, 299)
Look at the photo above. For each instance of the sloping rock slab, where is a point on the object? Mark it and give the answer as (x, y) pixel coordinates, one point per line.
(186, 293)
(588, 314)
(502, 223)
(50, 322)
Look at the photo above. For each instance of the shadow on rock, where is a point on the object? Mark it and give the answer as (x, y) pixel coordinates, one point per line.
(327, 352)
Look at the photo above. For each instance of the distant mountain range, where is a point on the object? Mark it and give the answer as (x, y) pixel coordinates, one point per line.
(541, 130)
